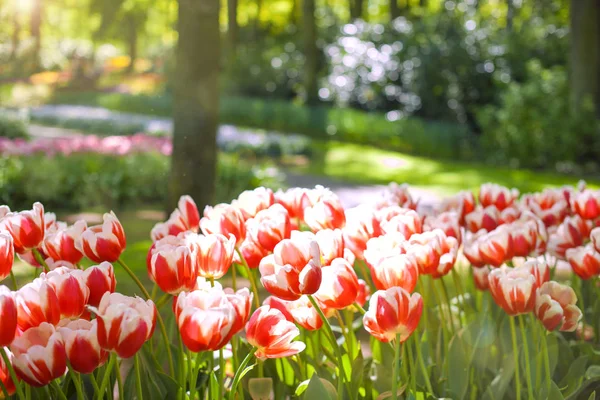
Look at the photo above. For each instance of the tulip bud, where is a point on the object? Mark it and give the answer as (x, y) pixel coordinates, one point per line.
(513, 289)
(81, 344)
(326, 213)
(339, 286)
(103, 242)
(99, 279)
(225, 219)
(269, 227)
(408, 222)
(171, 266)
(499, 196)
(37, 303)
(480, 277)
(60, 244)
(586, 204)
(556, 307)
(251, 202)
(272, 334)
(483, 218)
(361, 225)
(584, 260)
(26, 227)
(71, 290)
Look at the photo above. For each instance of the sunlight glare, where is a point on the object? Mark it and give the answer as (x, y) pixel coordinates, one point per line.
(24, 5)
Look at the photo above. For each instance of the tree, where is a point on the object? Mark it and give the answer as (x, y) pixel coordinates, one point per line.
(356, 9)
(585, 52)
(232, 27)
(36, 31)
(16, 34)
(394, 10)
(311, 52)
(196, 102)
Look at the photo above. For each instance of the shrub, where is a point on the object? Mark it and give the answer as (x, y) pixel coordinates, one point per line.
(85, 180)
(12, 128)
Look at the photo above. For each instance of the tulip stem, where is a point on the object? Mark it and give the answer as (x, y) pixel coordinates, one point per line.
(38, 257)
(138, 377)
(233, 278)
(513, 333)
(345, 333)
(119, 379)
(94, 385)
(58, 390)
(360, 308)
(4, 391)
(105, 378)
(159, 318)
(221, 372)
(251, 278)
(546, 362)
(527, 360)
(11, 372)
(238, 373)
(395, 368)
(76, 381)
(336, 348)
(413, 370)
(447, 298)
(422, 364)
(13, 279)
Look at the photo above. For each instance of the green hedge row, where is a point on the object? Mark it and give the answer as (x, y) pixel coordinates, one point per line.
(408, 135)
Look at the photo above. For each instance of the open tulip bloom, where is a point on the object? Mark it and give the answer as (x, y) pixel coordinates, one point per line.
(286, 294)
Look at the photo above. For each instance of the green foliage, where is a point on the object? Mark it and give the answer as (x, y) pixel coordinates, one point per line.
(87, 180)
(97, 126)
(12, 128)
(535, 125)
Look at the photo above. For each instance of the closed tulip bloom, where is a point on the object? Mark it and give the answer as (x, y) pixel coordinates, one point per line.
(188, 213)
(7, 254)
(326, 213)
(331, 244)
(595, 237)
(513, 289)
(212, 253)
(480, 277)
(103, 242)
(8, 316)
(293, 269)
(550, 206)
(272, 334)
(434, 252)
(363, 292)
(28, 257)
(487, 218)
(60, 244)
(39, 355)
(225, 219)
(81, 345)
(393, 313)
(26, 227)
(447, 222)
(397, 195)
(462, 203)
(269, 227)
(251, 202)
(339, 286)
(171, 266)
(100, 279)
(395, 270)
(362, 224)
(384, 246)
(556, 308)
(37, 303)
(584, 260)
(571, 233)
(294, 200)
(253, 253)
(524, 237)
(539, 270)
(496, 247)
(499, 196)
(303, 313)
(242, 305)
(407, 223)
(5, 378)
(509, 214)
(471, 248)
(124, 323)
(71, 290)
(281, 305)
(586, 204)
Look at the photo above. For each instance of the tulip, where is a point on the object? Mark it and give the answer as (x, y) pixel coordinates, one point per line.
(407, 223)
(463, 203)
(339, 285)
(100, 279)
(396, 270)
(586, 204)
(524, 237)
(160, 231)
(251, 202)
(5, 378)
(539, 270)
(393, 313)
(29, 257)
(171, 266)
(384, 246)
(26, 227)
(397, 195)
(225, 219)
(303, 313)
(37, 303)
(81, 345)
(496, 247)
(509, 214)
(8, 316)
(326, 213)
(281, 305)
(434, 252)
(253, 253)
(513, 289)
(7, 254)
(60, 244)
(499, 196)
(363, 293)
(71, 290)
(293, 269)
(124, 323)
(448, 222)
(550, 206)
(294, 200)
(213, 254)
(483, 218)
(555, 306)
(188, 213)
(331, 244)
(595, 237)
(103, 242)
(269, 227)
(361, 225)
(272, 334)
(39, 355)
(571, 233)
(471, 248)
(480, 277)
(584, 260)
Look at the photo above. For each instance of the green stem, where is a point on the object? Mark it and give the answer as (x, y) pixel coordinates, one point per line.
(395, 367)
(336, 348)
(181, 357)
(161, 323)
(138, 377)
(579, 291)
(251, 277)
(4, 391)
(154, 292)
(11, 372)
(535, 332)
(546, 362)
(211, 370)
(94, 385)
(233, 278)
(345, 333)
(449, 305)
(38, 257)
(221, 373)
(413, 371)
(422, 364)
(58, 390)
(77, 383)
(405, 372)
(359, 308)
(513, 333)
(14, 280)
(527, 360)
(460, 289)
(119, 379)
(238, 373)
(106, 377)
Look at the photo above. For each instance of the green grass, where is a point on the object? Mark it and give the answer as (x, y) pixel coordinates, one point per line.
(370, 165)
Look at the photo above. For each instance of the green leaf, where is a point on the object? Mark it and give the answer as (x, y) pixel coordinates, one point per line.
(171, 386)
(572, 381)
(302, 386)
(592, 372)
(357, 372)
(497, 388)
(553, 394)
(317, 390)
(592, 396)
(458, 366)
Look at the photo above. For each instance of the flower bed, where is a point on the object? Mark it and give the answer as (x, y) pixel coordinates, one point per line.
(489, 300)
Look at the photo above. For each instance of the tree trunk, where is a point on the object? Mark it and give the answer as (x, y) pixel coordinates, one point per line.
(422, 3)
(356, 9)
(585, 52)
(394, 10)
(293, 18)
(16, 35)
(36, 24)
(259, 4)
(311, 52)
(510, 13)
(132, 42)
(232, 27)
(196, 103)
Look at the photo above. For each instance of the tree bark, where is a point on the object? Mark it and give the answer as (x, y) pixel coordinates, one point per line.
(510, 13)
(35, 28)
(196, 103)
(394, 10)
(356, 9)
(311, 52)
(16, 35)
(585, 52)
(132, 42)
(232, 27)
